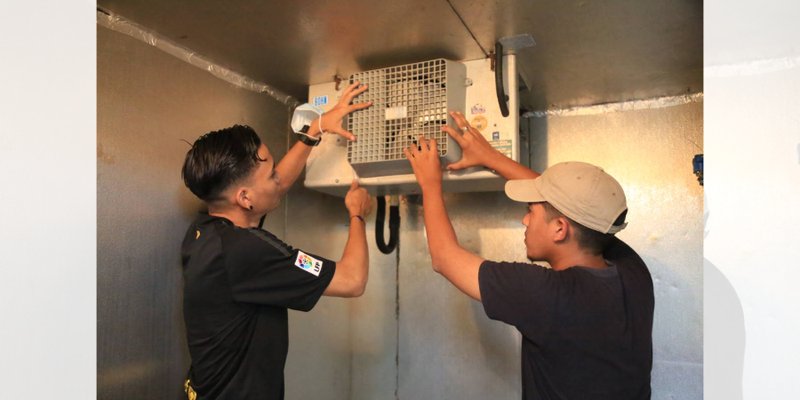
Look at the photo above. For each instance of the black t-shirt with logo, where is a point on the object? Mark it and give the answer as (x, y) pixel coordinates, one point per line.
(586, 333)
(238, 285)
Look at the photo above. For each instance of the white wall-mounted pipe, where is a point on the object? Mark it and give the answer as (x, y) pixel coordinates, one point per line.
(118, 24)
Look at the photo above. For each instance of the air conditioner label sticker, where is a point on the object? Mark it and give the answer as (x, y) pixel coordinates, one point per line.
(396, 112)
(503, 146)
(320, 100)
(478, 109)
(479, 122)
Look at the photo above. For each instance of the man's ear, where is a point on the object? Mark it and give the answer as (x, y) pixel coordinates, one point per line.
(242, 198)
(561, 229)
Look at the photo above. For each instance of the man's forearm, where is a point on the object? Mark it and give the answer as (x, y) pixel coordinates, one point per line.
(441, 235)
(510, 169)
(292, 165)
(355, 258)
(455, 263)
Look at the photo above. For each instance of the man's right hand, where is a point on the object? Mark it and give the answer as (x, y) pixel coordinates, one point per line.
(357, 200)
(350, 278)
(475, 149)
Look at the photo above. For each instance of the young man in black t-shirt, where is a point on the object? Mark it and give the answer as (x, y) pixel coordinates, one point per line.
(239, 280)
(587, 321)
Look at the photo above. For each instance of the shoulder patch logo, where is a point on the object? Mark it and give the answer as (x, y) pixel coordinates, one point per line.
(197, 234)
(308, 263)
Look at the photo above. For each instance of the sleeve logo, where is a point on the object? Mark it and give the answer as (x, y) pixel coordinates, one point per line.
(308, 263)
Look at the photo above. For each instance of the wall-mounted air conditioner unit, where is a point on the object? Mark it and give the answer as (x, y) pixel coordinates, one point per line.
(409, 101)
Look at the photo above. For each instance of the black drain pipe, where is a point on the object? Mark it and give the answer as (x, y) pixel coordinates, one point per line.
(394, 225)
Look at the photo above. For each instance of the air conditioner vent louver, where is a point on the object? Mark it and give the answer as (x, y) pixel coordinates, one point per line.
(408, 101)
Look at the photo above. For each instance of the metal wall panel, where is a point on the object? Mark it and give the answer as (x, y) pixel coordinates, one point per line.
(450, 349)
(348, 346)
(148, 102)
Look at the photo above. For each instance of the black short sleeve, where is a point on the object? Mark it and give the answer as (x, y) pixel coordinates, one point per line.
(264, 270)
(516, 293)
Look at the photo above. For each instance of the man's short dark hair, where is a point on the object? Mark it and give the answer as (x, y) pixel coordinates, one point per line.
(589, 239)
(220, 158)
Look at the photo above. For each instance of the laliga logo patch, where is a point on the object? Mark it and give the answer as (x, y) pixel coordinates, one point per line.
(308, 263)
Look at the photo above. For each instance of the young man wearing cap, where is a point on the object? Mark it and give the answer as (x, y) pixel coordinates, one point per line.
(239, 280)
(586, 322)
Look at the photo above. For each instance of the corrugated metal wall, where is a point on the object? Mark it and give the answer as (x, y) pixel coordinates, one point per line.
(148, 102)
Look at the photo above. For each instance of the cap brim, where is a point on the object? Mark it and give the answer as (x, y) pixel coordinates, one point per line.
(523, 190)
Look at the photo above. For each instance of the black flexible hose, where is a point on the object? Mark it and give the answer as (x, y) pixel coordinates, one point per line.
(394, 226)
(502, 98)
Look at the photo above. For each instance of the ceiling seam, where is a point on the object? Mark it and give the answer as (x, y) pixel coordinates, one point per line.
(119, 24)
(644, 104)
(485, 53)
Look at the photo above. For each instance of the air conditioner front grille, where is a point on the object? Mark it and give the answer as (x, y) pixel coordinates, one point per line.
(408, 101)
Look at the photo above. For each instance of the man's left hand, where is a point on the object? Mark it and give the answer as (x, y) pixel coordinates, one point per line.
(332, 120)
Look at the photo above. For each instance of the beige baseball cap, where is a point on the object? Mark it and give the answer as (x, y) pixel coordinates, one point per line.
(581, 191)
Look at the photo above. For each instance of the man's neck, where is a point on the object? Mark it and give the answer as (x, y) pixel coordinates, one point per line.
(240, 219)
(576, 259)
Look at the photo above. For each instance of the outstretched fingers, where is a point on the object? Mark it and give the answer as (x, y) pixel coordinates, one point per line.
(464, 126)
(344, 133)
(359, 106)
(351, 92)
(461, 121)
(456, 135)
(432, 146)
(420, 149)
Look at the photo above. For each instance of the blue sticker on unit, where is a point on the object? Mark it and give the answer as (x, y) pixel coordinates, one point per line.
(495, 135)
(320, 100)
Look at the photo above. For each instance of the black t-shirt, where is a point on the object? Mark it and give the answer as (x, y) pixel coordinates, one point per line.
(586, 333)
(238, 284)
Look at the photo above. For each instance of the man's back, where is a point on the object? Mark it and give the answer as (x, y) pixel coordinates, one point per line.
(238, 284)
(586, 332)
